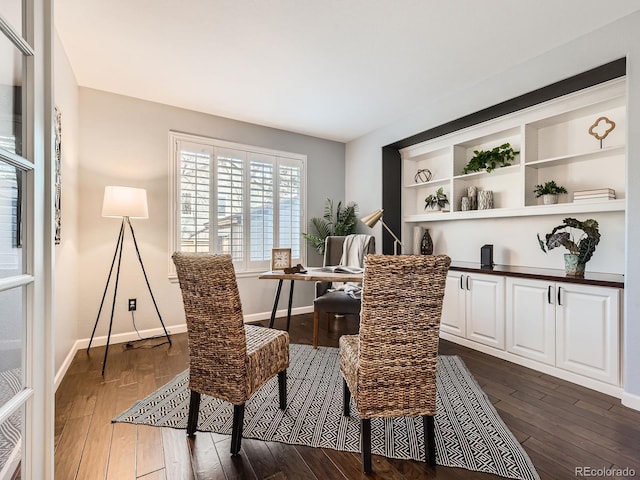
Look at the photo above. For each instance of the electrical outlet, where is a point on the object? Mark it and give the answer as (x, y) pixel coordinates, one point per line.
(132, 304)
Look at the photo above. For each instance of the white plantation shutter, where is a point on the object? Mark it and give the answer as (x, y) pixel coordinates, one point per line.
(256, 197)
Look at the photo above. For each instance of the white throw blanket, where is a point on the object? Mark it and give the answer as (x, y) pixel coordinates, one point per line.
(354, 249)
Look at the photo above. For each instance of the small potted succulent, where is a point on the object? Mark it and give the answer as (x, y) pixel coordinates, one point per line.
(549, 192)
(580, 250)
(436, 201)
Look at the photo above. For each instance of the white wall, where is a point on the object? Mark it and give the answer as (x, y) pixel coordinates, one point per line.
(66, 253)
(617, 40)
(124, 141)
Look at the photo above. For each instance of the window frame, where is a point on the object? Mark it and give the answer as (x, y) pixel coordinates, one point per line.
(246, 267)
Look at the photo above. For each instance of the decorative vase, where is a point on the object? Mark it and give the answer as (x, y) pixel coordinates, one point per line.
(549, 199)
(426, 246)
(418, 232)
(472, 193)
(572, 266)
(485, 200)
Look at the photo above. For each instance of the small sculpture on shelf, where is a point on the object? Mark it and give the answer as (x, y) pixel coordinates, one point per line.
(604, 125)
(580, 251)
(549, 192)
(423, 175)
(436, 201)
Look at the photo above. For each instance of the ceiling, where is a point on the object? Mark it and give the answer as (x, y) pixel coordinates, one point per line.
(334, 69)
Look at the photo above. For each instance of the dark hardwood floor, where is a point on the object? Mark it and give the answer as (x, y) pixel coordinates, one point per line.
(561, 425)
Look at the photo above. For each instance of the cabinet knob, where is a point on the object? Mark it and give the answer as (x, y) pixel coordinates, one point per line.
(549, 294)
(468, 283)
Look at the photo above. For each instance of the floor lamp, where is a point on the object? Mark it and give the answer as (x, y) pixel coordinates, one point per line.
(125, 203)
(375, 217)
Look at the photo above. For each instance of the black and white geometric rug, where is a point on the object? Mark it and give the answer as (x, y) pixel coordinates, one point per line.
(469, 432)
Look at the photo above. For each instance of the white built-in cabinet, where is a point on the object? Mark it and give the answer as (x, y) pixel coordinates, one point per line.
(473, 308)
(571, 326)
(566, 329)
(554, 144)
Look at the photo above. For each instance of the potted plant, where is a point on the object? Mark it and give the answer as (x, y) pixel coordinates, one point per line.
(549, 192)
(489, 160)
(342, 222)
(580, 250)
(436, 201)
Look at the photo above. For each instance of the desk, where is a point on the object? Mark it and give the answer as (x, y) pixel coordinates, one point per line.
(312, 275)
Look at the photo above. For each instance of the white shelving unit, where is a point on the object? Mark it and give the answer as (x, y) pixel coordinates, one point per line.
(553, 144)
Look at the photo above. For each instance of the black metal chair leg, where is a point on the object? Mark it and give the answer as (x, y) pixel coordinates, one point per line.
(346, 398)
(429, 439)
(236, 429)
(194, 409)
(365, 441)
(282, 389)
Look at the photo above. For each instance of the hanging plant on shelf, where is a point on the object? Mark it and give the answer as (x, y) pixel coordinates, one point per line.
(436, 200)
(489, 160)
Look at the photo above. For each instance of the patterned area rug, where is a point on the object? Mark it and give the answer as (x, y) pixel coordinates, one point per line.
(10, 430)
(469, 432)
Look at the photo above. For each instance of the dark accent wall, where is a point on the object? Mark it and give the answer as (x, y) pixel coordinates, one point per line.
(391, 160)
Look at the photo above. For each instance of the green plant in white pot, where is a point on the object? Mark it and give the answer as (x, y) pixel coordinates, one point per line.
(437, 200)
(549, 192)
(580, 250)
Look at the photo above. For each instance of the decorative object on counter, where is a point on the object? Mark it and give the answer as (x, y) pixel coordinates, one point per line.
(485, 199)
(549, 192)
(343, 222)
(580, 250)
(280, 258)
(418, 232)
(595, 195)
(436, 201)
(423, 175)
(601, 128)
(465, 204)
(489, 160)
(375, 217)
(486, 256)
(426, 246)
(472, 193)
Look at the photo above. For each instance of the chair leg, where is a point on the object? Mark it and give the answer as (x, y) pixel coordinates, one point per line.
(316, 327)
(194, 408)
(365, 444)
(282, 389)
(346, 397)
(429, 439)
(236, 429)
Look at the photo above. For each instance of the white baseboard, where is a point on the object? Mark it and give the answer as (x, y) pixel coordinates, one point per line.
(630, 400)
(132, 336)
(255, 317)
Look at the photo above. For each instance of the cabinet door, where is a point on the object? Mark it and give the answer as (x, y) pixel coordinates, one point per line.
(587, 331)
(485, 309)
(453, 314)
(530, 319)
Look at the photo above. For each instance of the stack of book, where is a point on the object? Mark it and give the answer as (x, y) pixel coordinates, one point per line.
(596, 195)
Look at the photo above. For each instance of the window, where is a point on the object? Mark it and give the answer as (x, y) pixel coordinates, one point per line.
(235, 199)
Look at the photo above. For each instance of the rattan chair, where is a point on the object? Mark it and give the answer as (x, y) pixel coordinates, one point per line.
(334, 302)
(227, 359)
(390, 366)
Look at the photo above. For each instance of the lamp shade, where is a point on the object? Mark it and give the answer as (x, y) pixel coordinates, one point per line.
(373, 218)
(125, 202)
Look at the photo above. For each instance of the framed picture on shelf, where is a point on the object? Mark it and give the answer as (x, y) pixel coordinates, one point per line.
(280, 258)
